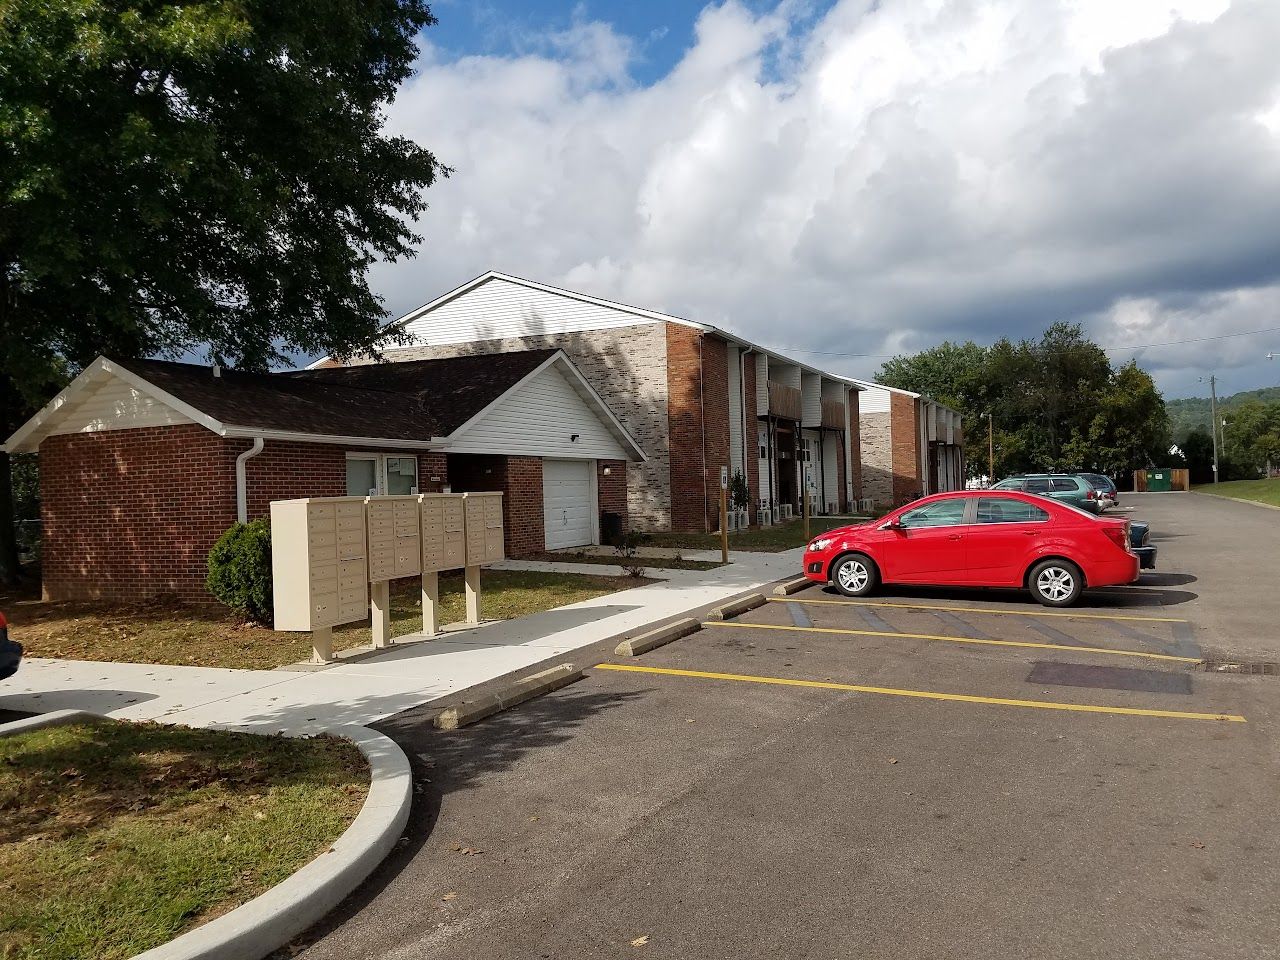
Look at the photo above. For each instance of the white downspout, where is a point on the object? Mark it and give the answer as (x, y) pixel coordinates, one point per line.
(242, 480)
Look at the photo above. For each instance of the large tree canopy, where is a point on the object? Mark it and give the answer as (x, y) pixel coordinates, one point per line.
(1056, 403)
(207, 175)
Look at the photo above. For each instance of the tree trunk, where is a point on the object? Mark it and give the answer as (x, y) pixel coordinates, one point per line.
(10, 568)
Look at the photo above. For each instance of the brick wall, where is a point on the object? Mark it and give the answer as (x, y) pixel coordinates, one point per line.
(698, 414)
(907, 475)
(612, 489)
(130, 514)
(627, 366)
(876, 457)
(520, 481)
(751, 427)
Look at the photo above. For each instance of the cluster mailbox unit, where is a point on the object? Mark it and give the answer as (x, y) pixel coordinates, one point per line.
(354, 546)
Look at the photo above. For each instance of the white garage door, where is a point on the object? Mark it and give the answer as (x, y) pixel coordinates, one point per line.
(566, 501)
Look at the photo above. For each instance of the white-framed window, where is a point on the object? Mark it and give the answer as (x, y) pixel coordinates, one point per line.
(381, 474)
(806, 450)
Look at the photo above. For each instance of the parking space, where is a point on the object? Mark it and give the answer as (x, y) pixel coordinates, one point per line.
(918, 774)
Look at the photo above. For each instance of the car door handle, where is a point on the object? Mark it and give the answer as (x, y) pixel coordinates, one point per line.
(1031, 533)
(953, 536)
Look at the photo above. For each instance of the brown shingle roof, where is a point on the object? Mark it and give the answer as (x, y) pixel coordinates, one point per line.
(415, 400)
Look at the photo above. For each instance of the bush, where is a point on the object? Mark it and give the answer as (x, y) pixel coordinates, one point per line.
(240, 569)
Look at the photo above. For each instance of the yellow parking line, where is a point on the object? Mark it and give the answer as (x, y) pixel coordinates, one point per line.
(933, 636)
(926, 694)
(1019, 613)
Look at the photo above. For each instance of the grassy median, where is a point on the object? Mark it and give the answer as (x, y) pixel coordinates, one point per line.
(212, 636)
(771, 539)
(116, 837)
(1260, 491)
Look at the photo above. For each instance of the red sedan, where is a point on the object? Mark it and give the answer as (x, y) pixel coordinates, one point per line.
(978, 538)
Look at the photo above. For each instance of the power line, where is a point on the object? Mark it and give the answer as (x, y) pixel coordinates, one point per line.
(1128, 346)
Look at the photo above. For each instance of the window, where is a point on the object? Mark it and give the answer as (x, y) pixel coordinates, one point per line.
(1008, 510)
(1063, 486)
(1008, 485)
(762, 437)
(806, 449)
(943, 513)
(380, 474)
(1040, 485)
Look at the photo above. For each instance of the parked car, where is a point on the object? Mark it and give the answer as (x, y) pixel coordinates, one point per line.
(10, 651)
(1057, 486)
(1140, 540)
(978, 538)
(1108, 492)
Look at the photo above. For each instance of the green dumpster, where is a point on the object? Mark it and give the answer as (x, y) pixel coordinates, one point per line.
(1159, 481)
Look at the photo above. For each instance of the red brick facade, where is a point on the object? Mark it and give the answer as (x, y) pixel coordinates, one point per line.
(698, 418)
(612, 488)
(130, 514)
(751, 427)
(907, 473)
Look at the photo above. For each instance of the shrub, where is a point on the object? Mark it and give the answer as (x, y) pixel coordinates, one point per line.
(240, 569)
(739, 492)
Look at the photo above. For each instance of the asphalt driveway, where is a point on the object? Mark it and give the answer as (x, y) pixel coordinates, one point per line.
(925, 774)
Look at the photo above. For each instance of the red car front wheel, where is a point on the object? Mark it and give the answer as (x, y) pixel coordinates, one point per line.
(854, 575)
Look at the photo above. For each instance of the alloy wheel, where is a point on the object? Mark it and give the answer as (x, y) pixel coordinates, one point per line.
(1055, 583)
(853, 575)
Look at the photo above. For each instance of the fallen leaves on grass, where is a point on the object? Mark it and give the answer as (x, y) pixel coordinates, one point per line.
(639, 941)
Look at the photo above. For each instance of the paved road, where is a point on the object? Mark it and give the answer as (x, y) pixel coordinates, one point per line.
(907, 792)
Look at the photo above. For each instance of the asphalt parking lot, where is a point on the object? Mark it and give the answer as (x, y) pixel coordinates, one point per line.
(921, 774)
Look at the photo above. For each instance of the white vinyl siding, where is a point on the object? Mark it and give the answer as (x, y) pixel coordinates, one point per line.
(811, 398)
(762, 384)
(829, 489)
(539, 419)
(765, 474)
(499, 309)
(874, 400)
(567, 503)
(115, 405)
(735, 411)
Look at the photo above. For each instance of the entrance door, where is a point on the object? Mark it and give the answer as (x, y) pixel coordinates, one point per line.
(567, 506)
(362, 476)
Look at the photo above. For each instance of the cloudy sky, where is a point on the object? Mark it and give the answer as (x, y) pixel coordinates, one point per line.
(849, 180)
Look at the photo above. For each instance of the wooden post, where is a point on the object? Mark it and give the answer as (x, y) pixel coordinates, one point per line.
(380, 599)
(322, 645)
(473, 594)
(431, 603)
(724, 526)
(804, 503)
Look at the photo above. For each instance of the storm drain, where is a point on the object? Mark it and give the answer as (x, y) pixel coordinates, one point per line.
(1108, 678)
(1253, 669)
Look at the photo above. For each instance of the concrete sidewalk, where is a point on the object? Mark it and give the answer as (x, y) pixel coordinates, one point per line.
(414, 672)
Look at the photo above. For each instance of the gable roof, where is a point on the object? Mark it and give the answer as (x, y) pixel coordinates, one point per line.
(641, 313)
(417, 404)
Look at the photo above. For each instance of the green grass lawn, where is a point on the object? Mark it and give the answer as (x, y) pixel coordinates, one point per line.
(116, 837)
(771, 539)
(1263, 491)
(213, 636)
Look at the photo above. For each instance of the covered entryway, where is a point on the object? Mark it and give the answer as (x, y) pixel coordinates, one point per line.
(568, 502)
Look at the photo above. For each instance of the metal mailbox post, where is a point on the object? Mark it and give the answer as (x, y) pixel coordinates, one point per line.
(443, 548)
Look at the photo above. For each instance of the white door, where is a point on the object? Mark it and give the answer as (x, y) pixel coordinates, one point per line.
(567, 502)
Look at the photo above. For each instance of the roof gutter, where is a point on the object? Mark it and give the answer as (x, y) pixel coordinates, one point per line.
(242, 480)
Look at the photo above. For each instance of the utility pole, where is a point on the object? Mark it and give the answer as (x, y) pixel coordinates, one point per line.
(991, 451)
(1213, 412)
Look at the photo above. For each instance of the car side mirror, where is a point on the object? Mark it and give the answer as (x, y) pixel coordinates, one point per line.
(892, 525)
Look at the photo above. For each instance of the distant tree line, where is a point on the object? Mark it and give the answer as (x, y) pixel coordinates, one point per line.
(1248, 428)
(1056, 403)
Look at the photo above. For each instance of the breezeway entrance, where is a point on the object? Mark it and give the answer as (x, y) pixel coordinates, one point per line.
(568, 502)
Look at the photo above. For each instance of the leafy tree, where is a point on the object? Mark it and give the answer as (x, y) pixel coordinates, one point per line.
(1056, 403)
(1252, 439)
(210, 175)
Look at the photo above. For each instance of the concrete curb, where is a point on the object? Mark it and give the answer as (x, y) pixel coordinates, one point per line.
(54, 718)
(1223, 496)
(468, 712)
(271, 920)
(653, 639)
(789, 587)
(733, 608)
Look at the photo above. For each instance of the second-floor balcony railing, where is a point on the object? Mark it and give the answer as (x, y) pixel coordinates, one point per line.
(833, 415)
(784, 401)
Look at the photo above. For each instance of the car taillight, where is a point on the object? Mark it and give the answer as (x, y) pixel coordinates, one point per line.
(1091, 494)
(1118, 535)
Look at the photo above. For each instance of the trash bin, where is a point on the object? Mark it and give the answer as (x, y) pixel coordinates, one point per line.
(610, 527)
(1159, 481)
